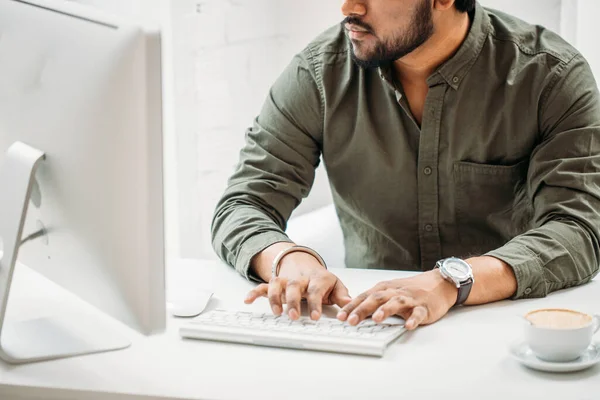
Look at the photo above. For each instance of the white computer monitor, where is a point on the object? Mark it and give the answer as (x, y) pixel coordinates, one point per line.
(81, 169)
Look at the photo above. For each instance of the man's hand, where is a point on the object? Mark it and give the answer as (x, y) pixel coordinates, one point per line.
(420, 300)
(301, 276)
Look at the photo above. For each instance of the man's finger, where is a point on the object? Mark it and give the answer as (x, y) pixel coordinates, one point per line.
(348, 308)
(417, 317)
(275, 292)
(339, 295)
(314, 296)
(393, 306)
(368, 307)
(259, 291)
(293, 296)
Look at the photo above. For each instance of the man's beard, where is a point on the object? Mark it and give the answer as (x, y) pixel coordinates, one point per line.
(419, 31)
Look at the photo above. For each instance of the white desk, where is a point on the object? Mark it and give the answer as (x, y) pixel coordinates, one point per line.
(464, 356)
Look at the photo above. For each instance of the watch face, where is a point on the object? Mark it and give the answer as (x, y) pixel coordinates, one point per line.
(457, 268)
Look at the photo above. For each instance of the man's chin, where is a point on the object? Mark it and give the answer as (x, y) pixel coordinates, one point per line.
(365, 62)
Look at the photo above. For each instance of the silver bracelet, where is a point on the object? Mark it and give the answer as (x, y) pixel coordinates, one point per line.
(277, 261)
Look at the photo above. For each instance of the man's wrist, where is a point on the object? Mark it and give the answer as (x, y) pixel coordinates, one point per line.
(299, 260)
(294, 249)
(447, 289)
(261, 263)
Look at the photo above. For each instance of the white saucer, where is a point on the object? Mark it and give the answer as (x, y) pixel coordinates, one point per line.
(522, 353)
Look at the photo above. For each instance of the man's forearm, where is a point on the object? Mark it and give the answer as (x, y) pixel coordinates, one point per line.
(494, 280)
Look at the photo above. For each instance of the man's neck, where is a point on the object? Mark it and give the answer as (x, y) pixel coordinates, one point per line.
(417, 66)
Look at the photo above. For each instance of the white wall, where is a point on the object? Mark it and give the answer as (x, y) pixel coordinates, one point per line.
(586, 32)
(543, 12)
(227, 54)
(222, 57)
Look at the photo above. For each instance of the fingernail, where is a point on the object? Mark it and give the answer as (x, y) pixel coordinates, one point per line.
(342, 315)
(315, 314)
(248, 297)
(378, 315)
(353, 319)
(293, 314)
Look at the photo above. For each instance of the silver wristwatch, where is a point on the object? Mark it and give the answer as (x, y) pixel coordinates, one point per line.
(460, 273)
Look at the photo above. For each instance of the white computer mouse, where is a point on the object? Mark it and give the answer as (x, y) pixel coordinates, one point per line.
(189, 304)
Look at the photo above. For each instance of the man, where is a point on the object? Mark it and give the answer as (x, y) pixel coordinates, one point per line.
(446, 130)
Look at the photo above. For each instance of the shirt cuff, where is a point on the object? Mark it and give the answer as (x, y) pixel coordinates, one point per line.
(252, 247)
(527, 268)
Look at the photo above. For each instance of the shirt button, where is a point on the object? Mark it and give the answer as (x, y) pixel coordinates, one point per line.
(428, 227)
(455, 79)
(427, 171)
(528, 290)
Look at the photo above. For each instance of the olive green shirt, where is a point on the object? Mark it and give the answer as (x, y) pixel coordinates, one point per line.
(506, 161)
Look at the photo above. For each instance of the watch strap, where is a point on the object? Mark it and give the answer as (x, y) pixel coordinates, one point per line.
(463, 291)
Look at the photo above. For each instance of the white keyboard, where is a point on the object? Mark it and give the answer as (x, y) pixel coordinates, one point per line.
(265, 329)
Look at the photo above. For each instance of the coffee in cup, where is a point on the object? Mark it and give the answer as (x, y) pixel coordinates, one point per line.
(558, 319)
(560, 335)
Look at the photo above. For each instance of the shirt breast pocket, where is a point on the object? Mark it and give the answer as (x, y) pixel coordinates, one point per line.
(491, 203)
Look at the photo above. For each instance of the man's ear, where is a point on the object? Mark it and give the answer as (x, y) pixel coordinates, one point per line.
(442, 5)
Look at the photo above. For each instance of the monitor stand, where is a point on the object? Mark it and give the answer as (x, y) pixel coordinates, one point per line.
(42, 338)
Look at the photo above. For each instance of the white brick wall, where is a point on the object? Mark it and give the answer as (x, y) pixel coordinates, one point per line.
(585, 32)
(227, 55)
(222, 57)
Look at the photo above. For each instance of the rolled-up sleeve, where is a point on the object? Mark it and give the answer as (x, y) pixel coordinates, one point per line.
(276, 168)
(563, 183)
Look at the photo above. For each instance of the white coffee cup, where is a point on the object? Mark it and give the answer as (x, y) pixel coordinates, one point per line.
(560, 335)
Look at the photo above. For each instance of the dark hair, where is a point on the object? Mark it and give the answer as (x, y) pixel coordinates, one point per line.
(464, 5)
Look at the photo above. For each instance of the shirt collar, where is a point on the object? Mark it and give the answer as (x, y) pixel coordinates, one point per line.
(456, 68)
(385, 73)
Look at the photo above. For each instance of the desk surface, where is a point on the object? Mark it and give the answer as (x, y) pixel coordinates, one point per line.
(463, 356)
